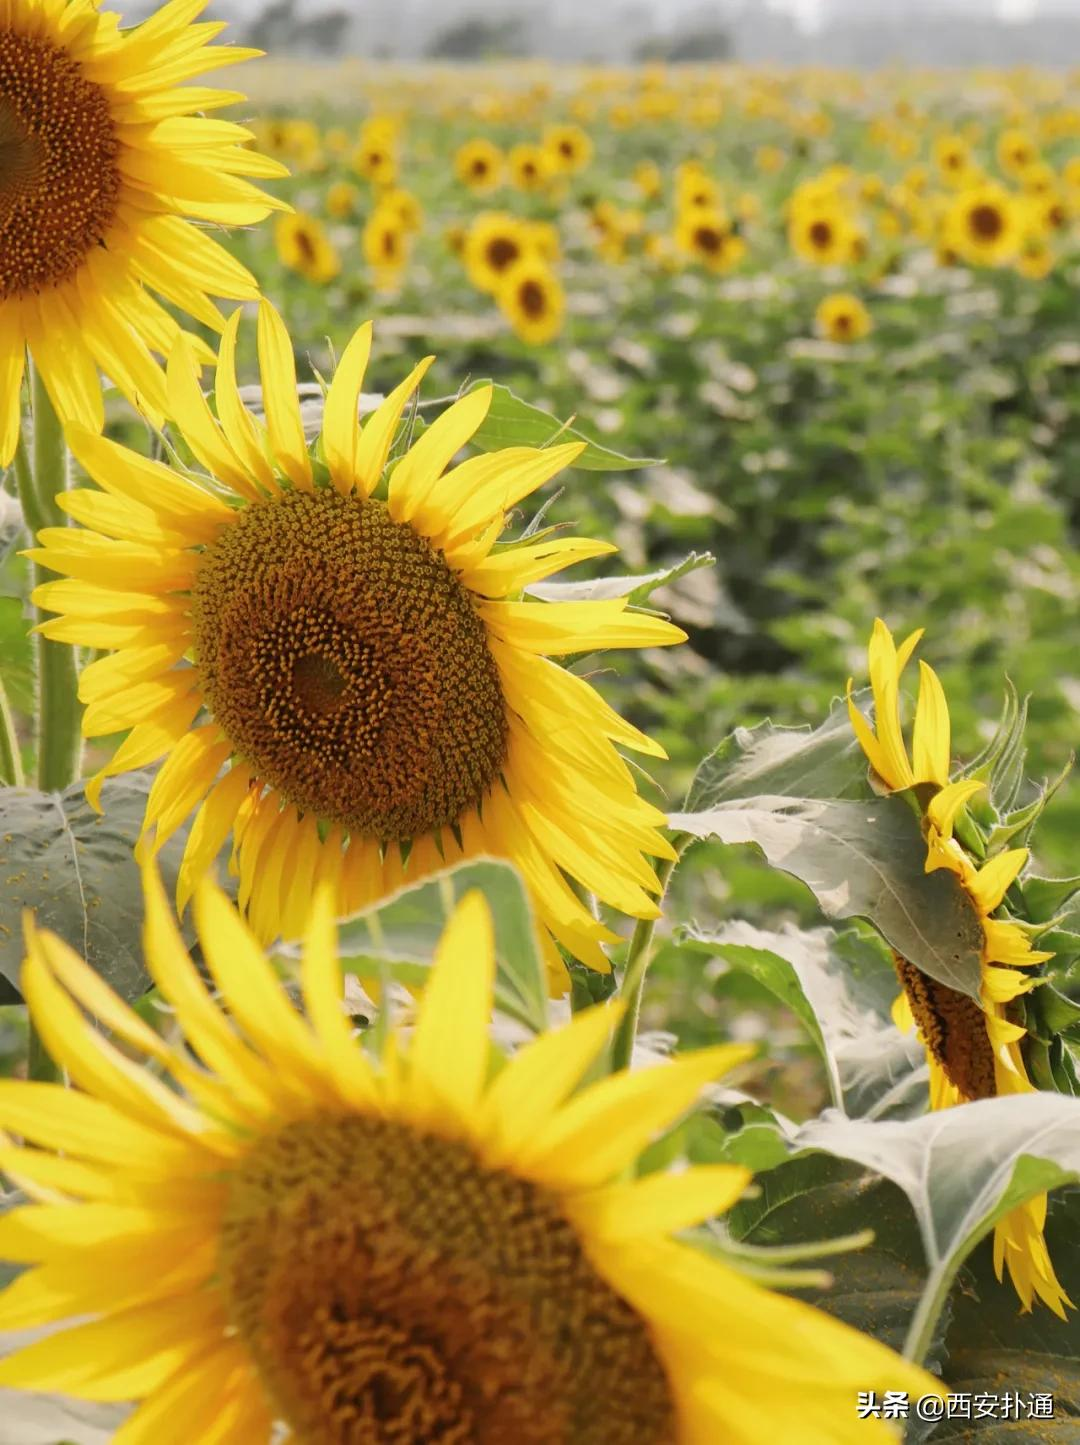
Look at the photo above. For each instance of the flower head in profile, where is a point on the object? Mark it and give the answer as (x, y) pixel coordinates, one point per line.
(341, 669)
(393, 1248)
(972, 1045)
(106, 160)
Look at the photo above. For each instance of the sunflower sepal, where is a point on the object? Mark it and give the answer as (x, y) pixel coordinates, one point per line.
(1019, 824)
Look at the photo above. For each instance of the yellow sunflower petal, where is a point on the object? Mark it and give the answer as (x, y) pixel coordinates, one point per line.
(122, 1357)
(321, 981)
(944, 805)
(540, 1075)
(992, 881)
(659, 1203)
(931, 738)
(341, 426)
(280, 402)
(378, 431)
(448, 1056)
(419, 470)
(607, 1126)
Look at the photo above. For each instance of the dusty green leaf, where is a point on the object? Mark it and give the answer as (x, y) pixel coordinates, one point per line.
(860, 859)
(823, 762)
(405, 930)
(841, 987)
(511, 422)
(76, 870)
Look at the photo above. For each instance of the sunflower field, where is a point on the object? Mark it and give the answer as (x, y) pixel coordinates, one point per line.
(539, 627)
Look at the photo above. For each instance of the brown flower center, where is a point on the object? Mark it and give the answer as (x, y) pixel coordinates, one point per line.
(59, 179)
(348, 666)
(821, 235)
(708, 239)
(533, 299)
(952, 1028)
(986, 222)
(392, 1289)
(502, 252)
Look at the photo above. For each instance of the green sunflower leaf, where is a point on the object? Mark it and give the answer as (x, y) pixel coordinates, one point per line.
(860, 860)
(962, 1170)
(815, 1197)
(403, 932)
(511, 422)
(76, 870)
(822, 762)
(841, 987)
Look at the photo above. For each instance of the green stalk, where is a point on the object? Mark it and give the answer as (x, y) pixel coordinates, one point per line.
(11, 769)
(928, 1311)
(638, 958)
(59, 745)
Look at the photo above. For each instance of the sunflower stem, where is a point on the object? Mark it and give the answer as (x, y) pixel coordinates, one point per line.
(11, 769)
(638, 958)
(924, 1321)
(59, 745)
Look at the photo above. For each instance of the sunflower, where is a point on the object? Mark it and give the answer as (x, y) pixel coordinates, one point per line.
(385, 244)
(824, 233)
(952, 155)
(405, 206)
(303, 246)
(972, 1047)
(1016, 152)
(695, 190)
(394, 1248)
(568, 147)
(984, 225)
(496, 242)
(708, 237)
(529, 166)
(648, 179)
(342, 200)
(367, 664)
(842, 317)
(478, 165)
(375, 160)
(103, 160)
(531, 299)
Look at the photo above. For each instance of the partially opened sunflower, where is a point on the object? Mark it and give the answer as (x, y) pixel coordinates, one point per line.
(105, 160)
(394, 1249)
(972, 1046)
(343, 671)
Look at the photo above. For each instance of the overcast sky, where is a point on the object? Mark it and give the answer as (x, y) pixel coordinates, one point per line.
(807, 13)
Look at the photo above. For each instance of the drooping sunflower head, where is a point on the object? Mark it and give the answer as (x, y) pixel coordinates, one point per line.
(358, 1248)
(371, 689)
(973, 1045)
(103, 165)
